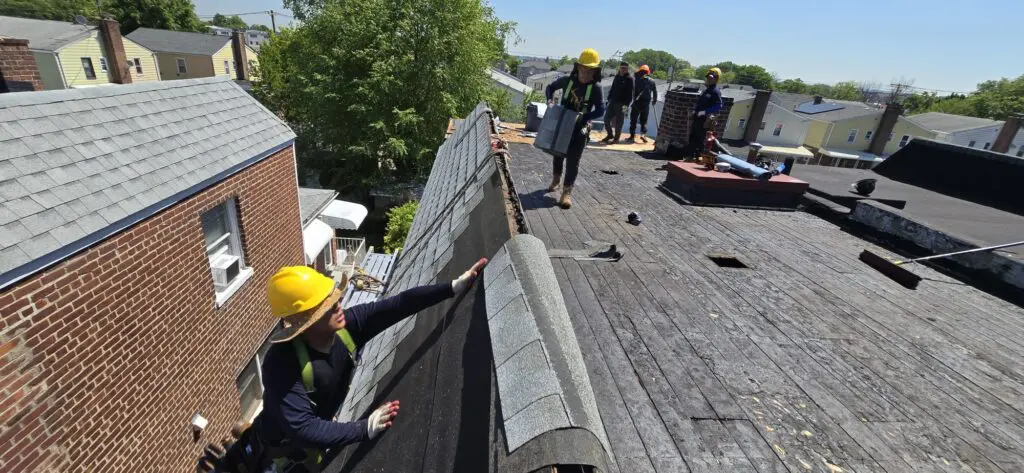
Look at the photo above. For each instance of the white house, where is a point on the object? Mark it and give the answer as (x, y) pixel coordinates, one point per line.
(516, 89)
(540, 81)
(972, 132)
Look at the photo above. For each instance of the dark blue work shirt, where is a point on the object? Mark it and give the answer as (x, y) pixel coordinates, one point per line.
(710, 101)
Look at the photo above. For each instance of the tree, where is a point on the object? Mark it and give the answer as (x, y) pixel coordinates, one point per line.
(823, 90)
(61, 10)
(754, 76)
(796, 86)
(179, 15)
(263, 28)
(234, 22)
(657, 60)
(369, 86)
(845, 91)
(995, 99)
(399, 222)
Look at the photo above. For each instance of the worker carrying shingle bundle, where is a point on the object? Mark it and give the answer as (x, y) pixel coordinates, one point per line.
(307, 370)
(645, 95)
(708, 104)
(582, 94)
(619, 97)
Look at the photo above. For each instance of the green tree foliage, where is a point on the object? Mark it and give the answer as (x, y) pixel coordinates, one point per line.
(263, 28)
(823, 90)
(369, 86)
(62, 10)
(512, 63)
(179, 15)
(234, 22)
(399, 222)
(796, 86)
(995, 99)
(754, 76)
(657, 60)
(847, 90)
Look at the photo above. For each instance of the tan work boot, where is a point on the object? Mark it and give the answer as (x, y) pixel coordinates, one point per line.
(554, 183)
(566, 200)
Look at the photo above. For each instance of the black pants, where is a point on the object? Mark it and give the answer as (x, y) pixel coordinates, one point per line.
(614, 118)
(639, 114)
(697, 133)
(575, 152)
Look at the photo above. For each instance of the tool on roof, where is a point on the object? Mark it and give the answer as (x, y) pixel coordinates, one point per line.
(594, 251)
(634, 218)
(894, 269)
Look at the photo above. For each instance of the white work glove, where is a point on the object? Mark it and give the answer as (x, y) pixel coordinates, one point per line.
(701, 113)
(463, 282)
(380, 419)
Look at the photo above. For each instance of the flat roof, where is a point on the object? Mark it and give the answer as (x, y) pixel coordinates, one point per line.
(807, 360)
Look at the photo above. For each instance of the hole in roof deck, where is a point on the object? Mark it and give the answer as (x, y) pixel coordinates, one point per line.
(726, 261)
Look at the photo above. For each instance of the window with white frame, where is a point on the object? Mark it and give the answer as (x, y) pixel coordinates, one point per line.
(987, 145)
(250, 384)
(742, 123)
(1020, 152)
(904, 140)
(227, 68)
(853, 135)
(778, 129)
(867, 136)
(972, 143)
(138, 66)
(182, 68)
(224, 250)
(103, 64)
(90, 73)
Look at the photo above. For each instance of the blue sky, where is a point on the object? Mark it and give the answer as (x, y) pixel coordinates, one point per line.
(940, 45)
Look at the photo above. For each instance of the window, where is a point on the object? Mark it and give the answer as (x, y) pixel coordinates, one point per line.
(987, 145)
(227, 68)
(103, 64)
(971, 144)
(182, 69)
(224, 250)
(778, 129)
(90, 73)
(538, 86)
(250, 383)
(867, 136)
(138, 66)
(853, 135)
(1020, 152)
(904, 140)
(743, 123)
(762, 125)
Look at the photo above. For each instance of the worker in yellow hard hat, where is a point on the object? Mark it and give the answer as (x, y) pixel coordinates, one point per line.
(581, 92)
(306, 371)
(708, 104)
(645, 95)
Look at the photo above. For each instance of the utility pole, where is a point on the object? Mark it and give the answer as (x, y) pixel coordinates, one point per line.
(273, 24)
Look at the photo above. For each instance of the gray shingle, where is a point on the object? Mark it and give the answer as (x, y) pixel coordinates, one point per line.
(14, 256)
(13, 233)
(542, 416)
(39, 245)
(11, 189)
(37, 182)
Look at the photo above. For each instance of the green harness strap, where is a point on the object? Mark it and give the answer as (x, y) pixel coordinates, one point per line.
(586, 96)
(302, 353)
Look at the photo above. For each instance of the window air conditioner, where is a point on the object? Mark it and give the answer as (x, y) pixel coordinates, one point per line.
(225, 268)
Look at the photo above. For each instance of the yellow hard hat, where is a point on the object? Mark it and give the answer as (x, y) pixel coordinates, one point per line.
(293, 292)
(716, 71)
(589, 58)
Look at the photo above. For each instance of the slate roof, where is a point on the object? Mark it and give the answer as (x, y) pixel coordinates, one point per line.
(489, 381)
(313, 201)
(183, 42)
(77, 165)
(950, 123)
(43, 35)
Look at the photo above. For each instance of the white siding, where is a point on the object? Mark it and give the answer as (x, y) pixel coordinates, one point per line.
(794, 127)
(983, 135)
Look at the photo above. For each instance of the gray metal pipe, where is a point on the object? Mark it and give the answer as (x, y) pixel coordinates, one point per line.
(744, 168)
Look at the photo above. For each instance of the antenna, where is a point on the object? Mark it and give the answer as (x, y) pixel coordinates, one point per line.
(80, 20)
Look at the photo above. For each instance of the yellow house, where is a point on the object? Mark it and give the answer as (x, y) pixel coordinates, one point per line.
(74, 55)
(183, 55)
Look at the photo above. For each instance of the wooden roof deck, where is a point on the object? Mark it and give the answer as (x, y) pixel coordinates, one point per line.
(807, 360)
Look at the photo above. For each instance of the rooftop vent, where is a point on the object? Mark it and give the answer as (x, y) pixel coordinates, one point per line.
(727, 261)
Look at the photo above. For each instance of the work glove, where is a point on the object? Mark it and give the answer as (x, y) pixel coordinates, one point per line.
(701, 113)
(463, 282)
(380, 419)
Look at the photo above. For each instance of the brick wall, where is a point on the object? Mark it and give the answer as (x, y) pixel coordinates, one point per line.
(18, 69)
(674, 128)
(104, 358)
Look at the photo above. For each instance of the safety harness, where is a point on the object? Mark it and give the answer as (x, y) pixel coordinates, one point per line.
(585, 105)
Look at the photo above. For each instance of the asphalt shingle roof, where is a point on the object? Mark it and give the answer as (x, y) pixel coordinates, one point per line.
(43, 35)
(77, 163)
(949, 123)
(849, 109)
(179, 41)
(312, 200)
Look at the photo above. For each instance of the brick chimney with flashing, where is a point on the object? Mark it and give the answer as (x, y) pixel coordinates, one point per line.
(113, 46)
(241, 61)
(885, 126)
(676, 117)
(18, 69)
(1007, 133)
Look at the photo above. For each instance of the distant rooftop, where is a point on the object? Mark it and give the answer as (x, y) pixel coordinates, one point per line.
(43, 35)
(950, 123)
(202, 44)
(313, 201)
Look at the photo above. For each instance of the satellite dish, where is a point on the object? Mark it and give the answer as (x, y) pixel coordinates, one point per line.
(80, 20)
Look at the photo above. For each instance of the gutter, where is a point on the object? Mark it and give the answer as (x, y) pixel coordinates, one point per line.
(60, 67)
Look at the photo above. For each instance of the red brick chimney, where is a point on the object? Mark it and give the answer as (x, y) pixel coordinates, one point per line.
(110, 33)
(1006, 134)
(885, 126)
(18, 69)
(241, 61)
(818, 99)
(756, 115)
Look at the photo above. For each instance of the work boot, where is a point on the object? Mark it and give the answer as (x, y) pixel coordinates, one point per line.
(607, 139)
(554, 183)
(643, 138)
(615, 141)
(632, 138)
(566, 200)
